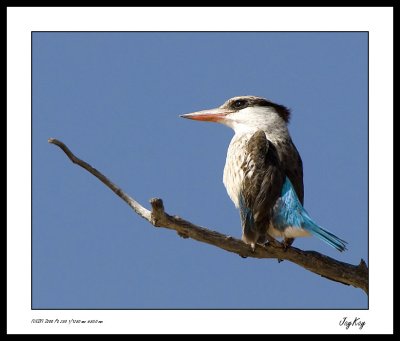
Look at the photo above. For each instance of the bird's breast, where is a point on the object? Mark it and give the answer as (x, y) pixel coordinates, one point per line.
(233, 172)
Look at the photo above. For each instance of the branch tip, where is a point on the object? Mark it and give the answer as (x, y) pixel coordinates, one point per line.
(363, 266)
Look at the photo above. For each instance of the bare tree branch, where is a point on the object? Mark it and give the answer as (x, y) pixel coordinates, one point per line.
(355, 275)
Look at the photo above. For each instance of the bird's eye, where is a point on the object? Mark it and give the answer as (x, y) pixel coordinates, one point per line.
(239, 103)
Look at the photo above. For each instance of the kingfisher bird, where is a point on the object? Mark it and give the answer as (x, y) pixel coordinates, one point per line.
(263, 172)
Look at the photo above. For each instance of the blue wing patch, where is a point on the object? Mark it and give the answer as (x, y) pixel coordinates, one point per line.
(288, 211)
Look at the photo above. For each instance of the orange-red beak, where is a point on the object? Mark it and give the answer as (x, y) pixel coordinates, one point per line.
(211, 115)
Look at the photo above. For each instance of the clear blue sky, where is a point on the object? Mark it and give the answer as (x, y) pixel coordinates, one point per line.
(114, 99)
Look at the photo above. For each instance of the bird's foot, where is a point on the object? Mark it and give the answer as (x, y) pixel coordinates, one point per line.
(282, 245)
(286, 243)
(273, 243)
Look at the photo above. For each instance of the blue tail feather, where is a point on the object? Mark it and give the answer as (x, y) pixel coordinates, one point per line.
(289, 212)
(328, 237)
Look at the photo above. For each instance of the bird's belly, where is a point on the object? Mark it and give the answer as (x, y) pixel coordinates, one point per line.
(233, 173)
(288, 232)
(232, 181)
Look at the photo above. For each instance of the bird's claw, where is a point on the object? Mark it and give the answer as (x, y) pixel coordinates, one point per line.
(286, 243)
(273, 243)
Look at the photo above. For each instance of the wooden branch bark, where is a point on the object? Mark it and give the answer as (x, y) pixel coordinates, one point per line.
(355, 275)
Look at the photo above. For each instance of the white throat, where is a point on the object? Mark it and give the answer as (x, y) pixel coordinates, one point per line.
(251, 119)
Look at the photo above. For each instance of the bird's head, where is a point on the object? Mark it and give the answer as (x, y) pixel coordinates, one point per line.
(246, 113)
